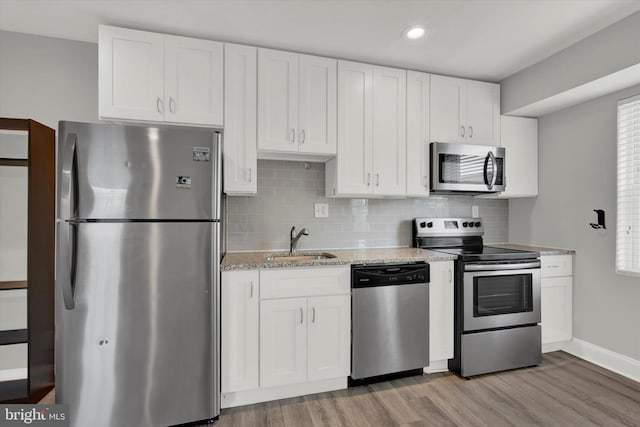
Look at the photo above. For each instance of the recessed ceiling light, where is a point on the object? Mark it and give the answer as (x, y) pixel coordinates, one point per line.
(414, 32)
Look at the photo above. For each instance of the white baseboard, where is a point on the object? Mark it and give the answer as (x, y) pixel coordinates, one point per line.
(247, 397)
(607, 359)
(437, 366)
(554, 346)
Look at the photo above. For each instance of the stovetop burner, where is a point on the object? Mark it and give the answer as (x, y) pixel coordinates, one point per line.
(486, 253)
(461, 237)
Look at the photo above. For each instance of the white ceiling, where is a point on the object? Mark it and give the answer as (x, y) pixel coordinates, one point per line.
(480, 39)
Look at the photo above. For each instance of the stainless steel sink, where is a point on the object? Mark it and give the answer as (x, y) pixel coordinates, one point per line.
(300, 256)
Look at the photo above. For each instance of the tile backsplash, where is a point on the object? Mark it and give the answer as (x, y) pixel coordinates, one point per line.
(287, 192)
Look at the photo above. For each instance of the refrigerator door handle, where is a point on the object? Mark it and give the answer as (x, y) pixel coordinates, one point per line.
(217, 184)
(65, 275)
(68, 186)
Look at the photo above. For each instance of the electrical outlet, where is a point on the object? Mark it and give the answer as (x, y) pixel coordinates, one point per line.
(474, 212)
(321, 210)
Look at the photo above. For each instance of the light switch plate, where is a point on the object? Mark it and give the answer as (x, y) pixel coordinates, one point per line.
(321, 210)
(474, 212)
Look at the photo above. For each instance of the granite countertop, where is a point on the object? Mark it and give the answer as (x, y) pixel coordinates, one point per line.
(542, 249)
(258, 259)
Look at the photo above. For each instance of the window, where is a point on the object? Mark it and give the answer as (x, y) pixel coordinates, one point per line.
(628, 219)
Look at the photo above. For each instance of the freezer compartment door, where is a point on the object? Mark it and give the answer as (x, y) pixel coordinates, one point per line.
(111, 171)
(136, 333)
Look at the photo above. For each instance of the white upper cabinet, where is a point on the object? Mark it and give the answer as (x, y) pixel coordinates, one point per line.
(418, 134)
(350, 171)
(317, 105)
(277, 100)
(131, 74)
(483, 113)
(296, 104)
(154, 77)
(448, 112)
(193, 81)
(464, 111)
(389, 131)
(520, 140)
(240, 129)
(371, 157)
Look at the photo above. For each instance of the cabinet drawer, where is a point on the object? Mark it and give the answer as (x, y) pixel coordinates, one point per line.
(304, 282)
(556, 265)
(13, 309)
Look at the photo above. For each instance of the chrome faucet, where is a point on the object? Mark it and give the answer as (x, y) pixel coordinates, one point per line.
(294, 240)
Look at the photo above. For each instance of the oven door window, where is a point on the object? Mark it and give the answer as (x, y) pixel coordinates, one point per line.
(496, 295)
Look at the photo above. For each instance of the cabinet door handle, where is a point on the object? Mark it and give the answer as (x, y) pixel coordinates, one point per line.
(377, 180)
(250, 174)
(450, 276)
(301, 315)
(368, 179)
(302, 136)
(293, 136)
(470, 131)
(313, 315)
(172, 105)
(159, 105)
(461, 130)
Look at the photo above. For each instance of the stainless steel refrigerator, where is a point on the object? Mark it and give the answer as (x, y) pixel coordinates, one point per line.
(137, 274)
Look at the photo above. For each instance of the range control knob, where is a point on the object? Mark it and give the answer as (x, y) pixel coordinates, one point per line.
(423, 224)
(430, 225)
(465, 224)
(478, 224)
(471, 224)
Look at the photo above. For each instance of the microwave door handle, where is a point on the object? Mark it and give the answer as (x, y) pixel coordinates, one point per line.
(494, 174)
(487, 182)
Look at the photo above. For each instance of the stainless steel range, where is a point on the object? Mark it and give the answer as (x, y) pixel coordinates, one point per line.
(497, 297)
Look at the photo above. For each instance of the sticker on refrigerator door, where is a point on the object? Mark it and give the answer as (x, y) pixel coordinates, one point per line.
(183, 181)
(201, 154)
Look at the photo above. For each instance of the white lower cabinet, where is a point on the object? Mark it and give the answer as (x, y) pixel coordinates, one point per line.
(441, 311)
(556, 296)
(239, 330)
(329, 344)
(283, 341)
(304, 339)
(298, 334)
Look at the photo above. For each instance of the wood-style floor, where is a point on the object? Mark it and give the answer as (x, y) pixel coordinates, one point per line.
(563, 391)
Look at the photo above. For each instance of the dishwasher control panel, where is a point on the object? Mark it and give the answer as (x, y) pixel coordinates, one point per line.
(363, 276)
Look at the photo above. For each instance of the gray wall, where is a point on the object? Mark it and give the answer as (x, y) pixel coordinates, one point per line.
(48, 79)
(577, 157)
(610, 50)
(286, 195)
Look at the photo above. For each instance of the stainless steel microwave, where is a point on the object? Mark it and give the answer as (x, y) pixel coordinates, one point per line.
(466, 168)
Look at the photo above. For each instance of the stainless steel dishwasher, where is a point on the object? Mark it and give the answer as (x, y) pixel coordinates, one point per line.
(390, 319)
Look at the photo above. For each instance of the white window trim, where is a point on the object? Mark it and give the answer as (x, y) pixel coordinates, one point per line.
(628, 187)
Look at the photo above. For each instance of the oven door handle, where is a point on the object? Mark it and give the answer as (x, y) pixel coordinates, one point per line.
(488, 267)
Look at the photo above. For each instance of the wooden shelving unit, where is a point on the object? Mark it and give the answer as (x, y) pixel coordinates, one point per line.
(40, 333)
